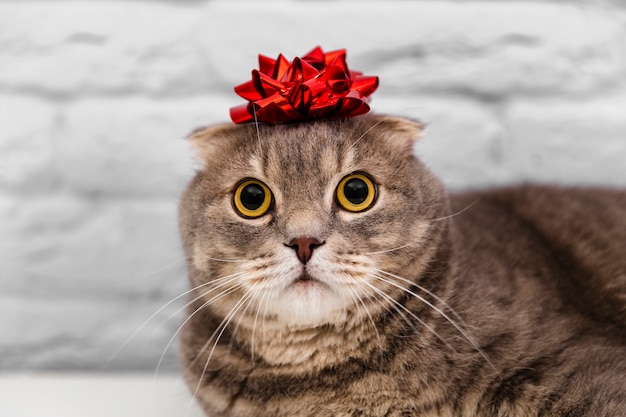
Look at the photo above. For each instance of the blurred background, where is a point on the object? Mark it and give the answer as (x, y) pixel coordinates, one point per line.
(97, 96)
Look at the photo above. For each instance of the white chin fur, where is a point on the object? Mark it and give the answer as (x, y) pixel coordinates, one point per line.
(307, 305)
(303, 304)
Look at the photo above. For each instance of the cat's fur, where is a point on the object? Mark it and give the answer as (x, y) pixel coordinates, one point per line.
(509, 302)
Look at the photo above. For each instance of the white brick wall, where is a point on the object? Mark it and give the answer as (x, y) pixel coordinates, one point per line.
(95, 98)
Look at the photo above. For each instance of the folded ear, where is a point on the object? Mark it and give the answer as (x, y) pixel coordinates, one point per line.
(397, 131)
(210, 142)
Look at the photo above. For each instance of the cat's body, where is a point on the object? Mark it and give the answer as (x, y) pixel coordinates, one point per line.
(503, 303)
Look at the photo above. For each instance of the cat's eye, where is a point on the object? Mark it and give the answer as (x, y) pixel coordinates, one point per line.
(356, 192)
(252, 199)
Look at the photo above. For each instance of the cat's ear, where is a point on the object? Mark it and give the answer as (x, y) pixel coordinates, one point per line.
(209, 142)
(397, 131)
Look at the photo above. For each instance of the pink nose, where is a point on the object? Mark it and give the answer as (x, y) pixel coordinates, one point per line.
(304, 247)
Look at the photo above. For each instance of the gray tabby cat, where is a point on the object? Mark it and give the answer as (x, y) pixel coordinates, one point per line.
(334, 276)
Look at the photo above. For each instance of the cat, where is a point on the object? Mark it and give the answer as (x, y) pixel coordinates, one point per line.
(334, 275)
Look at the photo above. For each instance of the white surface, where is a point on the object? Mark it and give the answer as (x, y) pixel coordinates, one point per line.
(90, 395)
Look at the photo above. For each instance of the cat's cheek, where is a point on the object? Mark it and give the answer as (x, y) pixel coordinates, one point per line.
(200, 261)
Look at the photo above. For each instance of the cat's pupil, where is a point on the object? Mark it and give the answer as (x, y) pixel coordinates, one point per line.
(356, 191)
(252, 196)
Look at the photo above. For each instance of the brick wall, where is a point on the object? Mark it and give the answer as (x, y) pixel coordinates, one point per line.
(96, 96)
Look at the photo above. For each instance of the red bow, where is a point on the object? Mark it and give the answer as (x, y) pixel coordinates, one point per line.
(318, 85)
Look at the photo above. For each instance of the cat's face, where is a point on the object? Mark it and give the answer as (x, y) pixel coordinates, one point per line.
(308, 224)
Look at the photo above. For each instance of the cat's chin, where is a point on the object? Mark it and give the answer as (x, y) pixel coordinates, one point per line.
(307, 303)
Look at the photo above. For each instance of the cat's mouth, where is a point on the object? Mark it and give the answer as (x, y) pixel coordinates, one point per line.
(307, 279)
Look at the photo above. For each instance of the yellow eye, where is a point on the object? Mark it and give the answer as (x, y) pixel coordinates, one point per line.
(252, 199)
(356, 192)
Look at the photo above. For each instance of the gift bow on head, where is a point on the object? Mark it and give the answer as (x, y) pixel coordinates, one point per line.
(318, 85)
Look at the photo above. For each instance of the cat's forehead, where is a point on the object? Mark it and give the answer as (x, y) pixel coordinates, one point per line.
(292, 162)
(310, 150)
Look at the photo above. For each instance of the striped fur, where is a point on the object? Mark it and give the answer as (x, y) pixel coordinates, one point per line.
(508, 302)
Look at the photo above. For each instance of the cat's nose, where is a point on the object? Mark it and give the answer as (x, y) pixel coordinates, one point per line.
(304, 247)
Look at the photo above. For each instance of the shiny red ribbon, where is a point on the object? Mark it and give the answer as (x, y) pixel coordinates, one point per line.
(318, 85)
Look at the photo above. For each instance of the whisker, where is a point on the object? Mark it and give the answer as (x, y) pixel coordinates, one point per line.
(425, 290)
(396, 305)
(204, 305)
(406, 245)
(254, 324)
(221, 328)
(148, 320)
(157, 312)
(365, 133)
(220, 285)
(392, 249)
(254, 292)
(463, 333)
(164, 268)
(469, 206)
(359, 300)
(225, 260)
(393, 306)
(267, 301)
(388, 307)
(217, 329)
(256, 125)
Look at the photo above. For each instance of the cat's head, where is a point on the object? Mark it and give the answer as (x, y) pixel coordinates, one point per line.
(307, 224)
